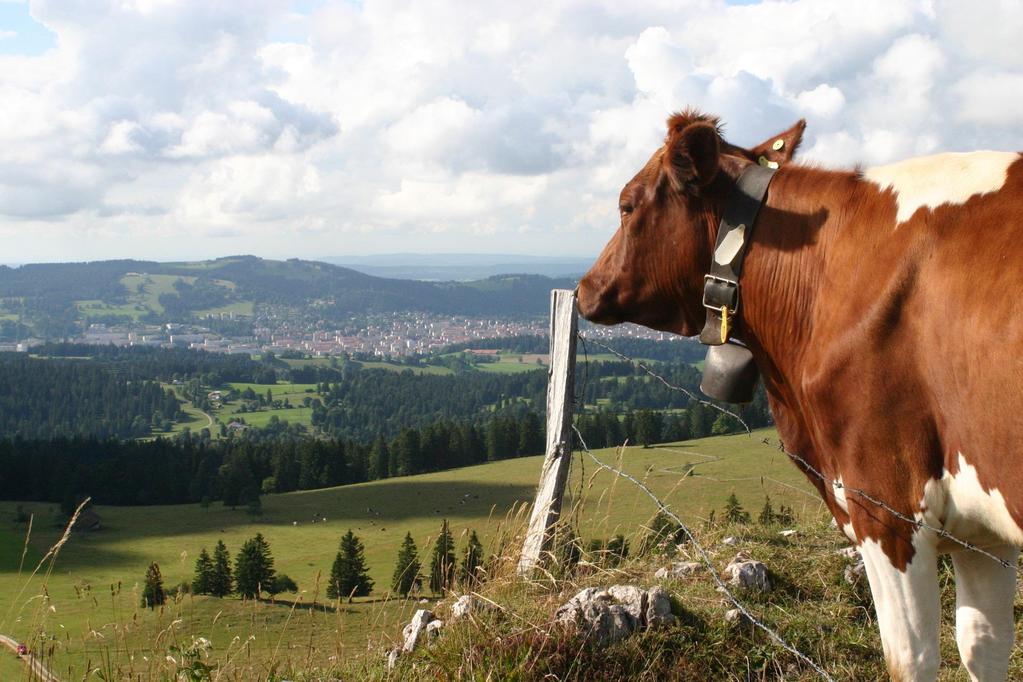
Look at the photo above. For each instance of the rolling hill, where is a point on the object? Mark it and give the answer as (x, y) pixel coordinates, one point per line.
(49, 298)
(91, 604)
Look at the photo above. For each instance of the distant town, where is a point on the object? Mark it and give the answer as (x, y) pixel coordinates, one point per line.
(390, 335)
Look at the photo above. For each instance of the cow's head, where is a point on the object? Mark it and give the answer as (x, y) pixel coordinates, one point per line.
(651, 272)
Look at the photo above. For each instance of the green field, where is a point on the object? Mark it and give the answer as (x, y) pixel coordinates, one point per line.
(243, 308)
(90, 619)
(398, 367)
(100, 309)
(295, 393)
(511, 364)
(146, 289)
(306, 362)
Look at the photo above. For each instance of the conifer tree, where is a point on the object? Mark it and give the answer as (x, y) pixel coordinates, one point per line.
(469, 574)
(786, 516)
(663, 533)
(767, 515)
(442, 562)
(202, 583)
(348, 576)
(221, 581)
(734, 513)
(406, 570)
(379, 458)
(152, 592)
(253, 567)
(282, 582)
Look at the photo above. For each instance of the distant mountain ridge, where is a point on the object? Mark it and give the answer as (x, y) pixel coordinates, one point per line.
(237, 284)
(462, 266)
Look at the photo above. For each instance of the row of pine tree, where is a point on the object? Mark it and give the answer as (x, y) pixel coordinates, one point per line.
(253, 570)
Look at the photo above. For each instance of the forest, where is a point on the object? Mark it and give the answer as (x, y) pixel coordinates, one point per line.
(70, 423)
(48, 398)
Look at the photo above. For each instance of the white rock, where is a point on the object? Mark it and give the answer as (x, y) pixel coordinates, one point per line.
(620, 626)
(592, 610)
(571, 611)
(631, 598)
(730, 540)
(414, 630)
(788, 533)
(658, 608)
(748, 574)
(850, 553)
(433, 628)
(736, 617)
(392, 657)
(855, 572)
(612, 614)
(680, 569)
(463, 606)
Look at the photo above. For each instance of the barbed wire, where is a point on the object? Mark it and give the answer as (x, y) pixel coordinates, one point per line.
(705, 558)
(808, 468)
(668, 384)
(915, 522)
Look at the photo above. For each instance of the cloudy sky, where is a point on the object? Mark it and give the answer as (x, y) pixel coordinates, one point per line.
(184, 130)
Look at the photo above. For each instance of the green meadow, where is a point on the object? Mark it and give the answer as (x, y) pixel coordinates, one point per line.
(84, 614)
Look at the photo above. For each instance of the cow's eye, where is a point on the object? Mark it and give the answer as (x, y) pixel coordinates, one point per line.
(627, 209)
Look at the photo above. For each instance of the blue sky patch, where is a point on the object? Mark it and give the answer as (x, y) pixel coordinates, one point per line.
(20, 34)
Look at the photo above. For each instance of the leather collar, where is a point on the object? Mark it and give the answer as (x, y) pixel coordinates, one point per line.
(721, 285)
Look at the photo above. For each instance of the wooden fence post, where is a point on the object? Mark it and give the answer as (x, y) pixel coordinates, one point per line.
(558, 457)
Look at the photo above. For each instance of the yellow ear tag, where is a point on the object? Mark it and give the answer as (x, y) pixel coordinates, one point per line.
(724, 324)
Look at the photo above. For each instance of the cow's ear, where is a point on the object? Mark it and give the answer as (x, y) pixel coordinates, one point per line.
(691, 154)
(782, 147)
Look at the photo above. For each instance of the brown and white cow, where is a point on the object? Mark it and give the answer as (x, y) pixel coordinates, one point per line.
(883, 310)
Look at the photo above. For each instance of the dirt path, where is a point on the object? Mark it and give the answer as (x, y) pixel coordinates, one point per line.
(39, 671)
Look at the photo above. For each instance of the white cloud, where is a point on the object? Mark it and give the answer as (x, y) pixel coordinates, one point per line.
(426, 125)
(992, 98)
(822, 102)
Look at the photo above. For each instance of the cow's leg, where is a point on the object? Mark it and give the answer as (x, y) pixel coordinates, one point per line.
(984, 619)
(908, 608)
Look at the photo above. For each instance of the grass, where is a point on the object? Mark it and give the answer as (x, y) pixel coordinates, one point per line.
(11, 667)
(398, 367)
(510, 364)
(80, 600)
(294, 415)
(811, 606)
(85, 615)
(280, 389)
(145, 289)
(242, 308)
(93, 308)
